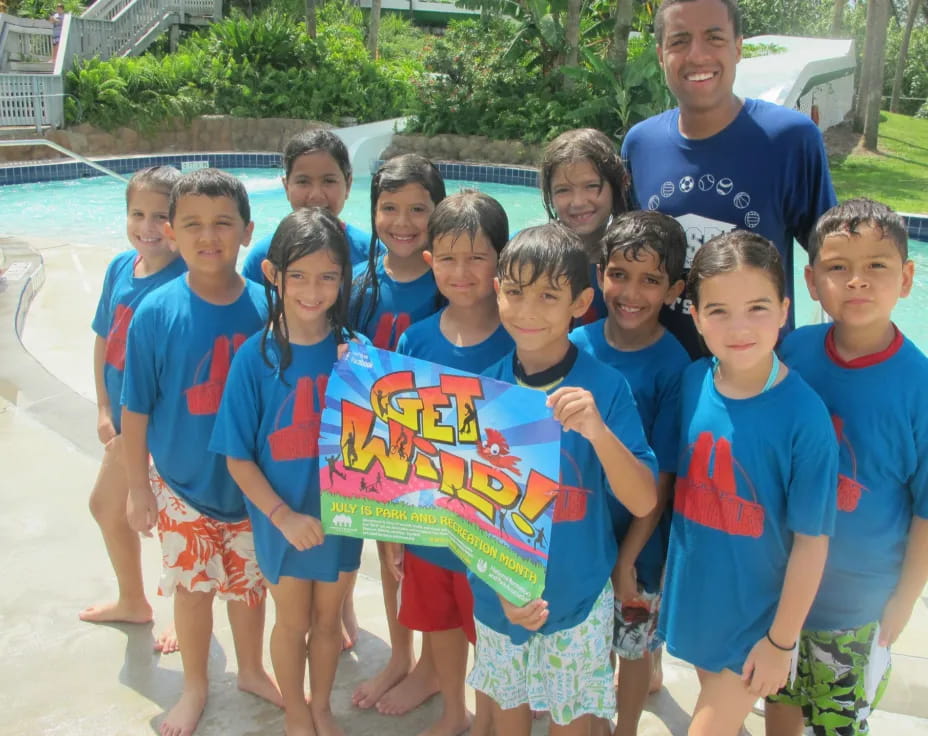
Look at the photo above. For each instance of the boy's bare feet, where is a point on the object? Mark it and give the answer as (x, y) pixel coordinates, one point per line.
(166, 643)
(182, 719)
(370, 691)
(125, 612)
(413, 690)
(449, 725)
(657, 671)
(260, 683)
(326, 725)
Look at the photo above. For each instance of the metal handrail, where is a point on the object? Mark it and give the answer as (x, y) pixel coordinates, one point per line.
(65, 151)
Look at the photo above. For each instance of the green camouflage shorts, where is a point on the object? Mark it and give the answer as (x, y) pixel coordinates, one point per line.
(841, 676)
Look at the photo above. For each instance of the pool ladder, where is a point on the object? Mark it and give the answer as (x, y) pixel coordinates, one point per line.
(65, 151)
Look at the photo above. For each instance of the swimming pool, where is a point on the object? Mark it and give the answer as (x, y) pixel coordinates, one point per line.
(92, 211)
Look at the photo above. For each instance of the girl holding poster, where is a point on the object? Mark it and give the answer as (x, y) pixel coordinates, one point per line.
(268, 429)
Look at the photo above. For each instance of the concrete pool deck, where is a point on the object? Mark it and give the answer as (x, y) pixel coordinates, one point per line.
(61, 676)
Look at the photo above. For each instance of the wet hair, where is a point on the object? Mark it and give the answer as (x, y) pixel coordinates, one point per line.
(849, 216)
(633, 232)
(301, 233)
(211, 183)
(550, 251)
(584, 144)
(730, 252)
(393, 174)
(734, 15)
(470, 212)
(312, 141)
(159, 179)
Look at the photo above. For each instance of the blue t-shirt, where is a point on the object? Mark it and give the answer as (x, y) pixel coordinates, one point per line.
(583, 548)
(880, 416)
(766, 172)
(653, 373)
(424, 340)
(359, 242)
(400, 304)
(274, 420)
(122, 293)
(752, 473)
(178, 355)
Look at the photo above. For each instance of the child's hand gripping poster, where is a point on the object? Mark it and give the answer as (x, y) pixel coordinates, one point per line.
(418, 453)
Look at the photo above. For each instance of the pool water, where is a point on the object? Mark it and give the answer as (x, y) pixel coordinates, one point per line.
(92, 211)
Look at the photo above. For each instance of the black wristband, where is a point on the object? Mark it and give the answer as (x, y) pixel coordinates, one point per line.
(777, 646)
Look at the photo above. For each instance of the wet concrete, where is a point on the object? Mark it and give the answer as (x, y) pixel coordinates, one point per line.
(61, 676)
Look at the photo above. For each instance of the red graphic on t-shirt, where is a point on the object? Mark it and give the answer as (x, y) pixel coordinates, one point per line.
(301, 438)
(849, 488)
(571, 501)
(713, 501)
(389, 328)
(115, 352)
(203, 398)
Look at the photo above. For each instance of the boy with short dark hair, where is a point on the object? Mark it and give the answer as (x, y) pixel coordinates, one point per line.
(875, 384)
(130, 276)
(180, 344)
(553, 653)
(640, 272)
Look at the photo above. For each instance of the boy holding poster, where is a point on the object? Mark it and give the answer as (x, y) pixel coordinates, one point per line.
(467, 231)
(552, 653)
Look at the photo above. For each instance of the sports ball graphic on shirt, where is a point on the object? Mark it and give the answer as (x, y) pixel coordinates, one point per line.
(389, 328)
(849, 488)
(654, 202)
(708, 493)
(687, 184)
(115, 351)
(752, 219)
(300, 439)
(724, 187)
(706, 182)
(204, 395)
(667, 189)
(741, 200)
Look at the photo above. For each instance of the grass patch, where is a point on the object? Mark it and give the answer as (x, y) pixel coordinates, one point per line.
(896, 175)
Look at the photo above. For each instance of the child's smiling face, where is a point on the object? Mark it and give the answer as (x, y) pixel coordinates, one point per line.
(146, 216)
(464, 267)
(401, 219)
(581, 197)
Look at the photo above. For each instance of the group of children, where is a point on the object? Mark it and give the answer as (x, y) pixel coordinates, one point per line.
(735, 470)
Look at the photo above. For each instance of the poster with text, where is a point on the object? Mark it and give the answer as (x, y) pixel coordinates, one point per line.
(419, 453)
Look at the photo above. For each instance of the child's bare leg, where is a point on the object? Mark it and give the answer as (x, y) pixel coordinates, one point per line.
(634, 680)
(513, 722)
(350, 626)
(414, 689)
(483, 715)
(324, 647)
(577, 727)
(193, 617)
(657, 670)
(108, 507)
(723, 704)
(449, 655)
(247, 624)
(293, 601)
(783, 719)
(401, 655)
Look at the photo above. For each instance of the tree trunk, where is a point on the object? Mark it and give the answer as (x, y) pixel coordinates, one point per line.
(374, 30)
(837, 20)
(903, 54)
(624, 10)
(311, 18)
(863, 82)
(872, 93)
(572, 38)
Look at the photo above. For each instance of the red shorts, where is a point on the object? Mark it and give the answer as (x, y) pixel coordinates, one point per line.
(435, 599)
